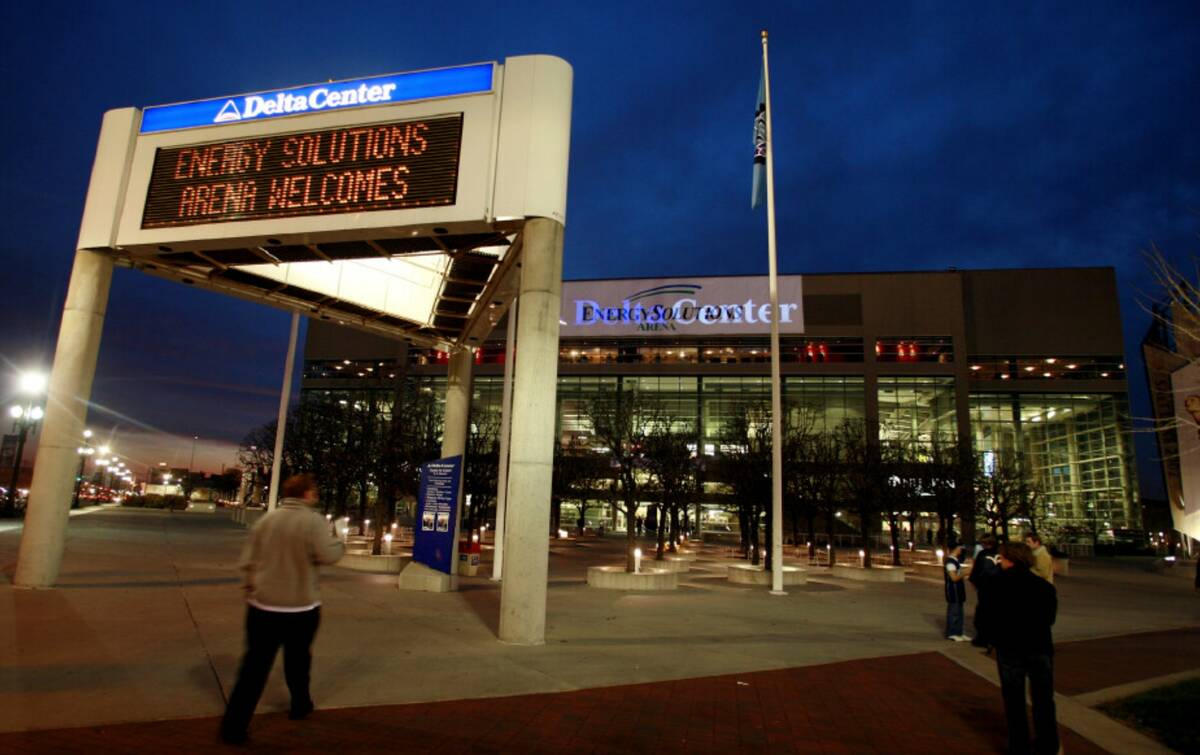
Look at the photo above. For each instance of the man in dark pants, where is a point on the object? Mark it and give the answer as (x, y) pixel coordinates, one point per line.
(280, 564)
(984, 571)
(1024, 608)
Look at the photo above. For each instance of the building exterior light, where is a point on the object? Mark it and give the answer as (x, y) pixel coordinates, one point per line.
(32, 383)
(976, 367)
(15, 412)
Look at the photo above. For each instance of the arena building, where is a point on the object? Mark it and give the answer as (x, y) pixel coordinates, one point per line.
(1025, 360)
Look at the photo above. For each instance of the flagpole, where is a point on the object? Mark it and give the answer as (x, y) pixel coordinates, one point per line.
(776, 387)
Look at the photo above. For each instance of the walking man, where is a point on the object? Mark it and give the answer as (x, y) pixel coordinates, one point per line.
(1024, 609)
(279, 564)
(956, 594)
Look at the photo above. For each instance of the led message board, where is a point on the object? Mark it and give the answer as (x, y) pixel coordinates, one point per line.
(362, 168)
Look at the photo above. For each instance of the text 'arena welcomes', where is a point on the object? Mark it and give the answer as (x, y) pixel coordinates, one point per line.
(384, 166)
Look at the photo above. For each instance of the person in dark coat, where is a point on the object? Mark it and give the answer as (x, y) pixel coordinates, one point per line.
(1023, 607)
(984, 572)
(954, 575)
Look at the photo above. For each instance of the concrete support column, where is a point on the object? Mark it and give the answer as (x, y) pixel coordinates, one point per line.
(456, 424)
(70, 389)
(531, 454)
(457, 417)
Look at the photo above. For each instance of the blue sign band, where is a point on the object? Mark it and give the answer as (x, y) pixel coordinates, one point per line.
(320, 98)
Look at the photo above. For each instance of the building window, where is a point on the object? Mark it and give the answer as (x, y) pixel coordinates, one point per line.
(917, 410)
(714, 351)
(937, 349)
(1046, 368)
(1075, 451)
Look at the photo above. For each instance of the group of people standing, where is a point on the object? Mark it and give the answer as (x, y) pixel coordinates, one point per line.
(1016, 605)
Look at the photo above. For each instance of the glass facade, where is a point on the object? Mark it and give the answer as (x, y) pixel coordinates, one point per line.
(1076, 450)
(917, 410)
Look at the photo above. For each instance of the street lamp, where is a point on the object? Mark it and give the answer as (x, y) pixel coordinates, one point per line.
(191, 463)
(84, 451)
(25, 417)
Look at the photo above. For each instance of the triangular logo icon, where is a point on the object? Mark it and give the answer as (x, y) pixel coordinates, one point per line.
(228, 113)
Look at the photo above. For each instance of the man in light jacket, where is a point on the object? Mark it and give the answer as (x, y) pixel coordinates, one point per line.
(279, 564)
(1043, 562)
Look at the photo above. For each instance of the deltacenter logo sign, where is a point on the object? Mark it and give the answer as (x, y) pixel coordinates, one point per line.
(316, 98)
(679, 306)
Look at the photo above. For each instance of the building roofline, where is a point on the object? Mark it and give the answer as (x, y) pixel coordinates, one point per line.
(946, 271)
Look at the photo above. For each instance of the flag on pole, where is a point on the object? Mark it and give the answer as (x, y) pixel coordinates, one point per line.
(759, 189)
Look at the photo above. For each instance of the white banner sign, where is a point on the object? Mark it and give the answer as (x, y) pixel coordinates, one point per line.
(679, 307)
(1185, 384)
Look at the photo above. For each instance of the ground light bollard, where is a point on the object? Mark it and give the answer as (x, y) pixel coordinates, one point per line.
(862, 557)
(387, 544)
(329, 521)
(637, 560)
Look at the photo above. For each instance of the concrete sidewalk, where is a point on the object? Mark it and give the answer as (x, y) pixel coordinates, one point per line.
(146, 625)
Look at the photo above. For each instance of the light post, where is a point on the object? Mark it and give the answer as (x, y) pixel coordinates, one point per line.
(191, 462)
(85, 451)
(25, 417)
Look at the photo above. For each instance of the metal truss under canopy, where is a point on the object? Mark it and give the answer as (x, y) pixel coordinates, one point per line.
(444, 290)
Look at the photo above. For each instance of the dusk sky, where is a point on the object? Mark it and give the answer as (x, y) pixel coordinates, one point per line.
(920, 137)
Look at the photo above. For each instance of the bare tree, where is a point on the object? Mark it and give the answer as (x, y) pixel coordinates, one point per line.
(998, 482)
(580, 474)
(746, 468)
(669, 455)
(481, 468)
(902, 481)
(620, 423)
(862, 475)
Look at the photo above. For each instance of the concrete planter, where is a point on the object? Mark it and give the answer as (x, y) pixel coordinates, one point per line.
(926, 569)
(247, 516)
(679, 564)
(616, 578)
(747, 574)
(876, 573)
(383, 564)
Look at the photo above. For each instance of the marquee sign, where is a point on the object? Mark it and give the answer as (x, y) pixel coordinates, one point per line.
(381, 166)
(390, 89)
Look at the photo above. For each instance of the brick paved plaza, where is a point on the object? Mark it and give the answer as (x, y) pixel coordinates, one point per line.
(136, 648)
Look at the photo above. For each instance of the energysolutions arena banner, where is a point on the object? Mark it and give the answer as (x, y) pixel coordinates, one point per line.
(679, 307)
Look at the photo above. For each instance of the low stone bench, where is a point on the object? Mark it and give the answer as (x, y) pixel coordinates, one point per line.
(678, 564)
(748, 574)
(616, 578)
(382, 564)
(876, 573)
(930, 569)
